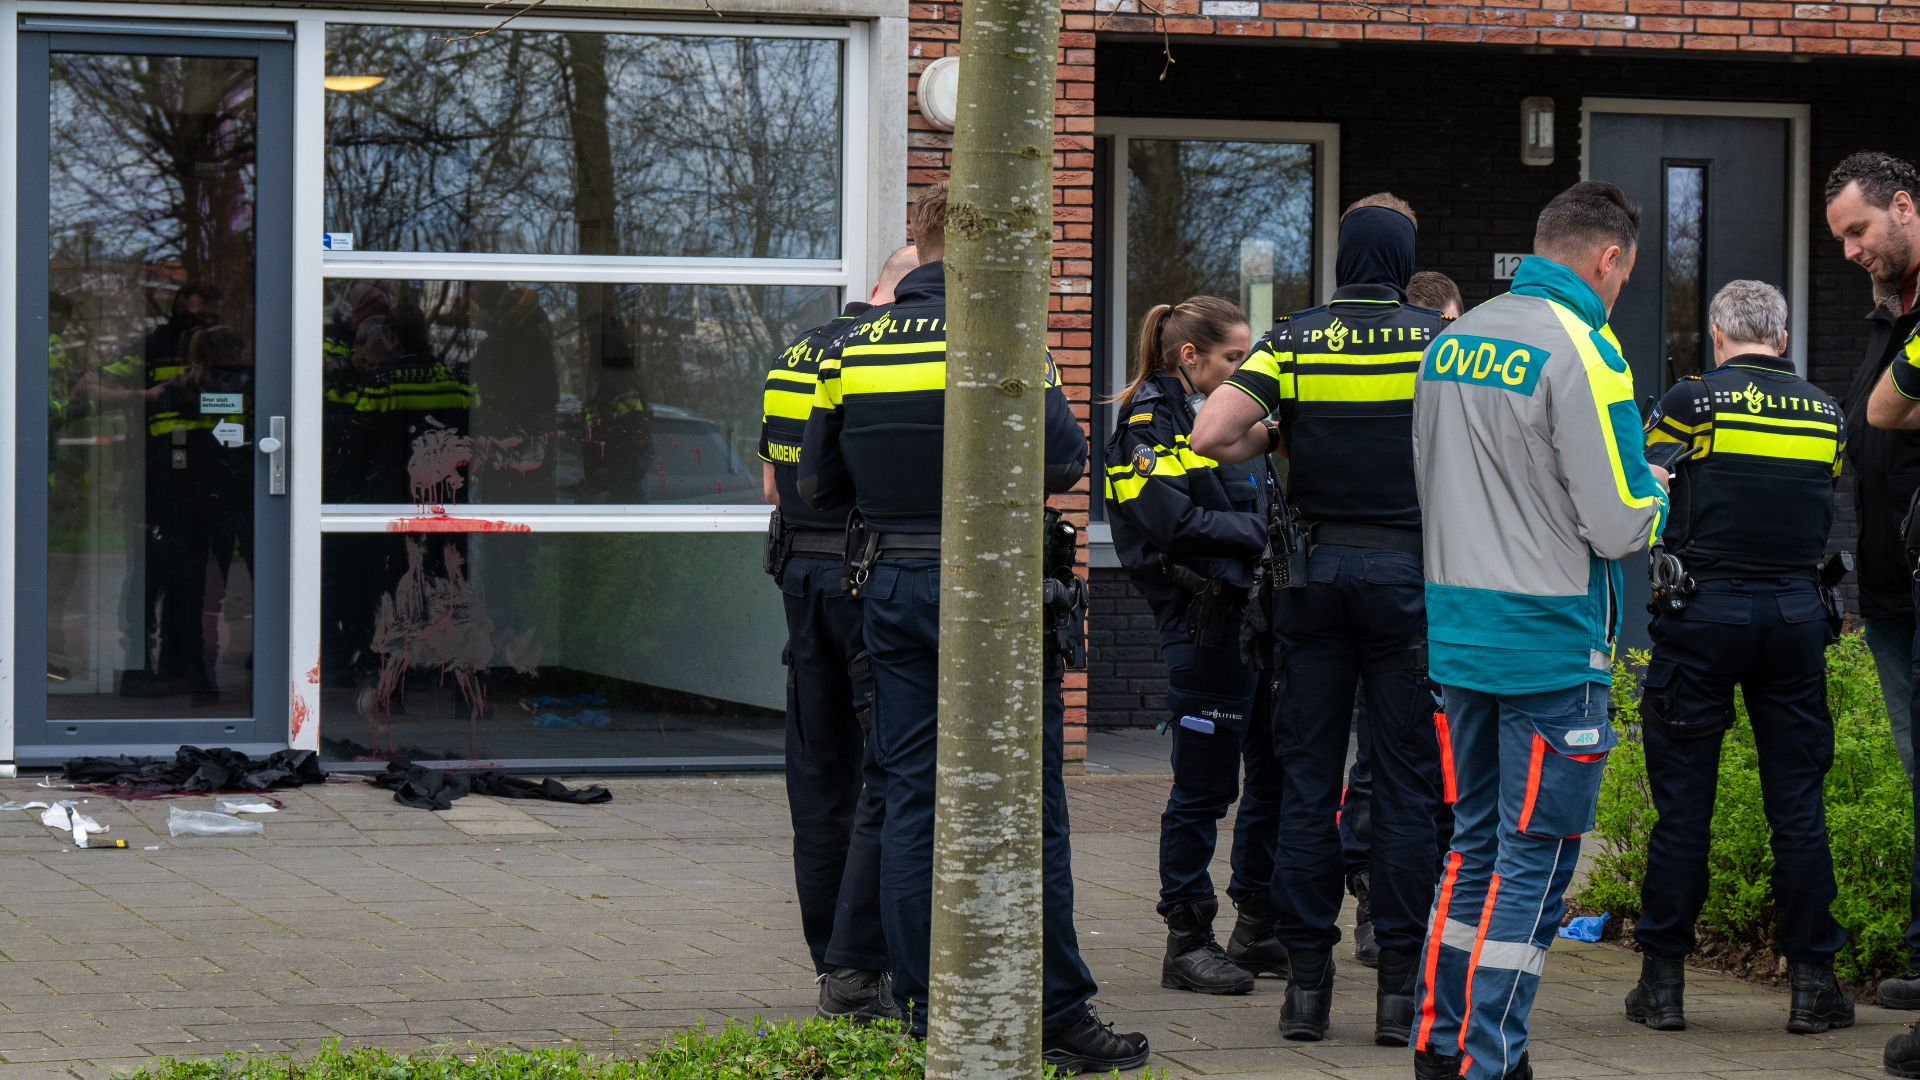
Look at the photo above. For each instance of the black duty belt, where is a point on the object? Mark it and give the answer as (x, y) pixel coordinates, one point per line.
(825, 542)
(1801, 574)
(1380, 537)
(907, 546)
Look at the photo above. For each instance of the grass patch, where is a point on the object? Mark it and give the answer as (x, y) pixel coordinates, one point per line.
(810, 1049)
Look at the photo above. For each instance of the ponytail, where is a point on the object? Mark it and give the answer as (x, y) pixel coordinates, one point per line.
(1201, 321)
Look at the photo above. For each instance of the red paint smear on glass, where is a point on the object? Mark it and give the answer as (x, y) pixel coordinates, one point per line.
(314, 675)
(454, 525)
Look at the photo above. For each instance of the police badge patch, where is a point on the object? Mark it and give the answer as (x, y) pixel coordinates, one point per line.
(1143, 459)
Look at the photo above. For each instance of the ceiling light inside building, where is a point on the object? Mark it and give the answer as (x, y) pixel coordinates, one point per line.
(350, 83)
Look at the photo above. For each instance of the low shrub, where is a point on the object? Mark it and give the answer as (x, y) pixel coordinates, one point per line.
(809, 1049)
(1869, 819)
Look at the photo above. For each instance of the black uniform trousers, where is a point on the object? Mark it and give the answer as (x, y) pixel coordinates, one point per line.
(901, 605)
(1212, 684)
(825, 752)
(1770, 637)
(1360, 609)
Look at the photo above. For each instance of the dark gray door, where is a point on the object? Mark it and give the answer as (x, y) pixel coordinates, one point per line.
(154, 343)
(1713, 197)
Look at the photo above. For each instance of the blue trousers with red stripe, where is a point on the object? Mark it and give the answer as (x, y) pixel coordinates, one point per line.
(1525, 771)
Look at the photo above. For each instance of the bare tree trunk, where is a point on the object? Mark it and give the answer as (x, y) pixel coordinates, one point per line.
(984, 990)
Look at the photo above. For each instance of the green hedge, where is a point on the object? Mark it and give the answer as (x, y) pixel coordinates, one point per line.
(1869, 817)
(761, 1050)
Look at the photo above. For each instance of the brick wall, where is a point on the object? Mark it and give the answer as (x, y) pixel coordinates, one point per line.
(1126, 677)
(1879, 29)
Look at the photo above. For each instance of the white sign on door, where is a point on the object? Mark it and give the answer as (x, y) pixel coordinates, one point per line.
(1504, 265)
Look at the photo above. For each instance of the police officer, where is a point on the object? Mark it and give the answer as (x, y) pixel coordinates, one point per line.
(1341, 378)
(1190, 533)
(876, 425)
(828, 691)
(1739, 598)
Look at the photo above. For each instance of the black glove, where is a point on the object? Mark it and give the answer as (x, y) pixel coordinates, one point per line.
(1256, 632)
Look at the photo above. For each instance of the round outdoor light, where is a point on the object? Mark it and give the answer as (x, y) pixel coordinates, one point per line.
(350, 83)
(940, 92)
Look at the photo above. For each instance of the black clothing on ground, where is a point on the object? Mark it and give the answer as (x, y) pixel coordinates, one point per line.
(194, 769)
(435, 789)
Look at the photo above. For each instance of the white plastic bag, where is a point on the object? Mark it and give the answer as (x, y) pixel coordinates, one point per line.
(208, 823)
(56, 817)
(243, 804)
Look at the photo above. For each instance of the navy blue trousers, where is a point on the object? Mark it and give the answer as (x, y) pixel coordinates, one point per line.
(1360, 608)
(901, 607)
(1356, 828)
(825, 752)
(1770, 638)
(1214, 685)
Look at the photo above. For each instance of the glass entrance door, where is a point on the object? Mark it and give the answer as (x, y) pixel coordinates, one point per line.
(154, 369)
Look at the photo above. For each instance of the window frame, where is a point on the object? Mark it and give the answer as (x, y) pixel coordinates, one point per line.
(872, 202)
(1110, 287)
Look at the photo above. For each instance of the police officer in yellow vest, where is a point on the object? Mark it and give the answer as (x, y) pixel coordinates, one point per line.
(1353, 611)
(1739, 598)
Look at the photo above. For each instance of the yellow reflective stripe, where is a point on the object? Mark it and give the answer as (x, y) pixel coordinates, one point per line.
(1124, 488)
(1396, 386)
(896, 349)
(390, 401)
(1678, 428)
(806, 378)
(1785, 422)
(1728, 440)
(167, 427)
(1358, 361)
(789, 404)
(893, 378)
(1607, 387)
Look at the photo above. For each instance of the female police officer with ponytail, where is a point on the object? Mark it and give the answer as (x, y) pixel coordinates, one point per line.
(1190, 534)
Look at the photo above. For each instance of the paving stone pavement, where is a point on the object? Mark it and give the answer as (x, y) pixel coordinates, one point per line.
(606, 926)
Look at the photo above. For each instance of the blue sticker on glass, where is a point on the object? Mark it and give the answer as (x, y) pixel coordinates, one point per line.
(1508, 365)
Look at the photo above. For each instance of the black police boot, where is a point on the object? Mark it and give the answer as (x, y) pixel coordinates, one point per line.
(1393, 1000)
(1253, 948)
(1428, 1065)
(1656, 1000)
(860, 996)
(1817, 1002)
(1522, 1069)
(1093, 1047)
(1365, 949)
(1902, 992)
(1304, 1015)
(1902, 1057)
(1195, 961)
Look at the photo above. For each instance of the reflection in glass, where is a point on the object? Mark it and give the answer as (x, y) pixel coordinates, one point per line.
(1686, 294)
(1229, 219)
(549, 645)
(531, 141)
(150, 471)
(540, 393)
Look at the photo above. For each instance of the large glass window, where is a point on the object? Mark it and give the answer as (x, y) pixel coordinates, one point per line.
(1227, 219)
(528, 141)
(549, 646)
(502, 392)
(1686, 300)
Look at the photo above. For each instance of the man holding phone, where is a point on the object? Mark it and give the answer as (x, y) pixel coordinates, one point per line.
(1743, 594)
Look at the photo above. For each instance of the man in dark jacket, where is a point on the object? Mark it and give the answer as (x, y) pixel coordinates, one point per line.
(1870, 208)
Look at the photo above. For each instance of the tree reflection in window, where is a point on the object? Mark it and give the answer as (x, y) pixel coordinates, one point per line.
(1228, 219)
(1686, 228)
(526, 141)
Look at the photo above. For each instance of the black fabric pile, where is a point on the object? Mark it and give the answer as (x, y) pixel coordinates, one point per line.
(194, 769)
(435, 789)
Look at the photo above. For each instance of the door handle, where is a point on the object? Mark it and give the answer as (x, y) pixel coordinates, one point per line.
(275, 447)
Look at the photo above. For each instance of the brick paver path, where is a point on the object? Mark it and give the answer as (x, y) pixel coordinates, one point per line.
(534, 923)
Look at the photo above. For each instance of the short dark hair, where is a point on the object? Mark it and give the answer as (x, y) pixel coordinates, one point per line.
(1588, 214)
(1879, 175)
(929, 219)
(1435, 290)
(1385, 199)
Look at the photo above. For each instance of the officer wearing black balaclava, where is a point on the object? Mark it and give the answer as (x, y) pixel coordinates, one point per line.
(1339, 381)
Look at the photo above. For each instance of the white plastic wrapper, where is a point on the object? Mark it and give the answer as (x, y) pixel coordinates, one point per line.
(243, 804)
(208, 823)
(56, 817)
(11, 805)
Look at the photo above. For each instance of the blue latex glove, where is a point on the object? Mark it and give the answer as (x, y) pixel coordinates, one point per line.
(1585, 928)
